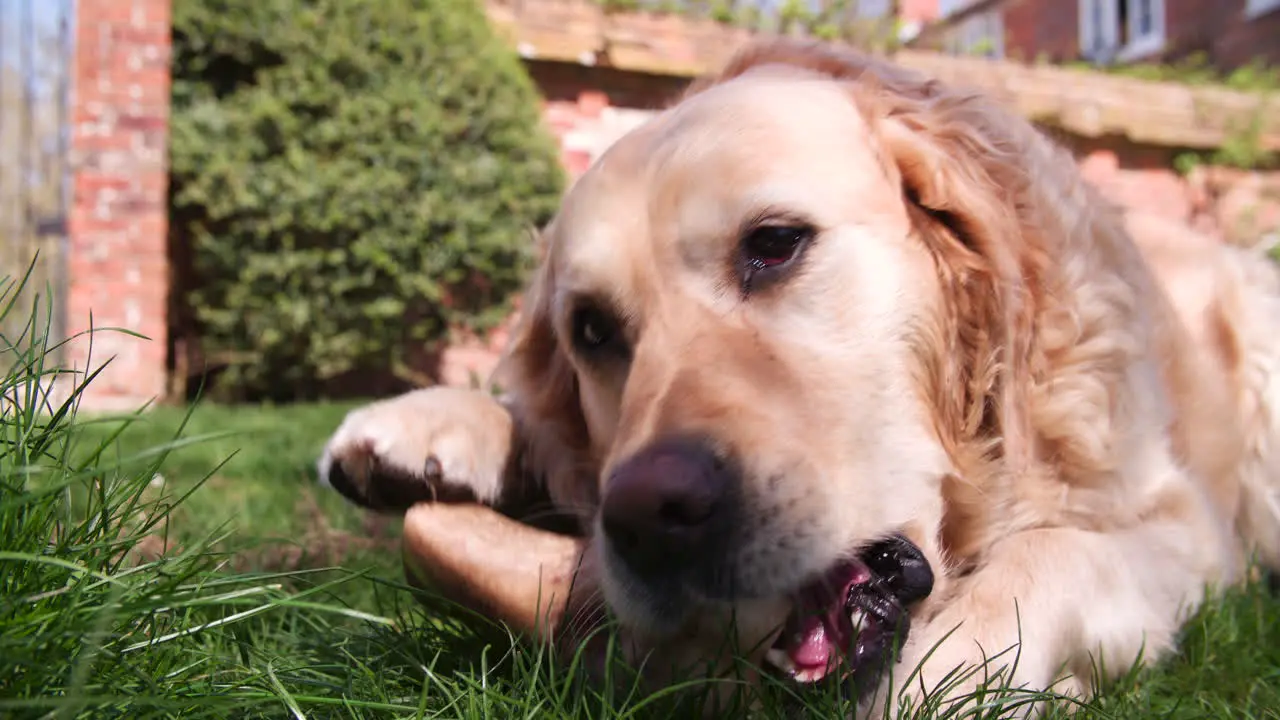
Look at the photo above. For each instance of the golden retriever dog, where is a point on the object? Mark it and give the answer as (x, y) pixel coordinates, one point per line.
(828, 355)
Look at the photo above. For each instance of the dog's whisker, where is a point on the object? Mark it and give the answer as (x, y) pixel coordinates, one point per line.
(591, 615)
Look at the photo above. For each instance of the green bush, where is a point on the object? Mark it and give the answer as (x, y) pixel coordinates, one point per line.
(349, 179)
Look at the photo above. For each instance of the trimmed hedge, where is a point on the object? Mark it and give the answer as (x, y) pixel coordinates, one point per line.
(349, 179)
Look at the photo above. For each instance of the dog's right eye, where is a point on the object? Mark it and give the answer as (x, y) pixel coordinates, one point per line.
(767, 252)
(596, 332)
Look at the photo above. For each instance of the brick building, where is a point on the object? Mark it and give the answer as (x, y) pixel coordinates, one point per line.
(1230, 33)
(115, 264)
(600, 75)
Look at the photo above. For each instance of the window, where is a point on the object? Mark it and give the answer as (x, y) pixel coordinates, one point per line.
(1254, 8)
(873, 8)
(980, 35)
(946, 7)
(1121, 30)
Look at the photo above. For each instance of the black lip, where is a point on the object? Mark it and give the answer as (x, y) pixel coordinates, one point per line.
(902, 565)
(887, 625)
(901, 577)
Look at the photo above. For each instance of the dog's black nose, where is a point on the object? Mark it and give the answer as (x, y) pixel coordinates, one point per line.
(663, 505)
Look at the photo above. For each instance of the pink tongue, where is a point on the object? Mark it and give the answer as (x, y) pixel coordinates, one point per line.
(812, 651)
(816, 630)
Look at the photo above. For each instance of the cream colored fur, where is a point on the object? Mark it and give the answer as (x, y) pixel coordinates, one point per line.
(1071, 410)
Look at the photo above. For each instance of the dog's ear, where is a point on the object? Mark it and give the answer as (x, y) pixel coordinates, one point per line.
(964, 192)
(954, 155)
(542, 392)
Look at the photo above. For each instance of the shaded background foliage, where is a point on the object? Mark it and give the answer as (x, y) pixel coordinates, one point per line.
(349, 179)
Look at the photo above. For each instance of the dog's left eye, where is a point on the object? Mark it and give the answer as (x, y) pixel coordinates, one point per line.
(595, 332)
(770, 247)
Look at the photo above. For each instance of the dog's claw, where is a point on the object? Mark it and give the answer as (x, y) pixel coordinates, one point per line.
(432, 470)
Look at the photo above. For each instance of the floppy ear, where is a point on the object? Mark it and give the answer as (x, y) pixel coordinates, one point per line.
(542, 389)
(964, 193)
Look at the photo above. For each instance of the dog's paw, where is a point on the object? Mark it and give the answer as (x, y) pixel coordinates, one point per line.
(440, 443)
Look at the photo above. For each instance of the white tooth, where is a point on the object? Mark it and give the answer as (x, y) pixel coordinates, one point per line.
(779, 659)
(809, 676)
(857, 618)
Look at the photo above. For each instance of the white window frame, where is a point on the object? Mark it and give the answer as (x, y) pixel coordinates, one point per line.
(1110, 48)
(951, 7)
(986, 28)
(1258, 8)
(1150, 43)
(873, 9)
(1107, 28)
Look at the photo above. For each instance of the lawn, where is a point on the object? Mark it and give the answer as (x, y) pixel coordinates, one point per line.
(184, 563)
(250, 480)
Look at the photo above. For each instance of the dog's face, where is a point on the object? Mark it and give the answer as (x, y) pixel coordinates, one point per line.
(745, 275)
(746, 311)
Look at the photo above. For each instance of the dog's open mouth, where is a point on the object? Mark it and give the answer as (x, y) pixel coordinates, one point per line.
(847, 620)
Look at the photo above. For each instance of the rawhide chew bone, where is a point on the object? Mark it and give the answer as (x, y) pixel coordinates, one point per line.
(494, 565)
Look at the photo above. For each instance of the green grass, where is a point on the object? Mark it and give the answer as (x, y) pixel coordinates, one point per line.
(183, 563)
(255, 470)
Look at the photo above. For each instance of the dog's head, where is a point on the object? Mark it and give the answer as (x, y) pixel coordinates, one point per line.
(770, 326)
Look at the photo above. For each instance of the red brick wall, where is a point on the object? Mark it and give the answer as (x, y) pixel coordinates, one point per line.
(1036, 29)
(116, 266)
(1239, 40)
(1235, 206)
(1191, 25)
(576, 97)
(1049, 29)
(918, 10)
